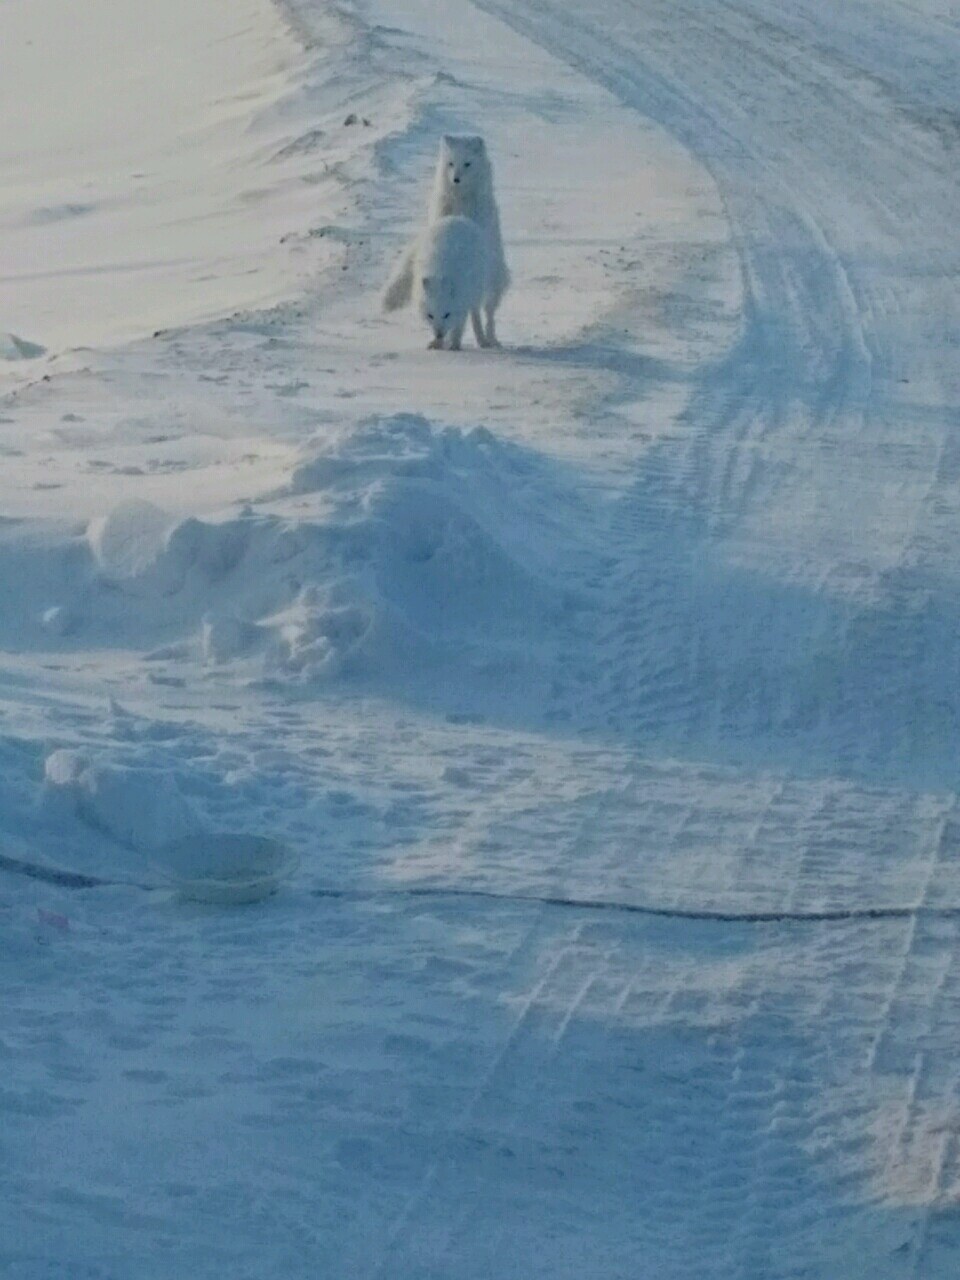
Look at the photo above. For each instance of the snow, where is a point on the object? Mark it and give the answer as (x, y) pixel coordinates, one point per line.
(131, 165)
(141, 809)
(481, 814)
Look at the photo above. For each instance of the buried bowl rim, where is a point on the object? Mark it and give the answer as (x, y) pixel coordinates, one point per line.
(280, 861)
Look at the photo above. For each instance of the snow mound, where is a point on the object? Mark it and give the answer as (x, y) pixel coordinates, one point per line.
(396, 546)
(151, 553)
(224, 637)
(130, 540)
(407, 445)
(141, 808)
(431, 555)
(321, 634)
(15, 348)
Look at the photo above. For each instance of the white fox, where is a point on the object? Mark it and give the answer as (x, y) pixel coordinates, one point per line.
(450, 268)
(462, 186)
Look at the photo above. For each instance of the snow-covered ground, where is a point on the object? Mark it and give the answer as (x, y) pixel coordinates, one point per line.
(132, 193)
(606, 688)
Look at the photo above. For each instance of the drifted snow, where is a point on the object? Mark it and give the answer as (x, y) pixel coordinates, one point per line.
(140, 808)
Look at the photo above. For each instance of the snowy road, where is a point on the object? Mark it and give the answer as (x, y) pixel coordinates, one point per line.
(812, 494)
(679, 628)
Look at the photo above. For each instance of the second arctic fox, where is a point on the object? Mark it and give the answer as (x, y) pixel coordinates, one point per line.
(462, 186)
(450, 266)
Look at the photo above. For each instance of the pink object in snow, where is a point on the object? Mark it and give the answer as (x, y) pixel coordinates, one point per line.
(53, 919)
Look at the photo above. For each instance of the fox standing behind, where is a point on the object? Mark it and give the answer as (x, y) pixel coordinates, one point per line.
(462, 188)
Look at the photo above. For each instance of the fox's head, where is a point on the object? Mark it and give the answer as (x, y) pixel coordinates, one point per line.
(462, 165)
(438, 303)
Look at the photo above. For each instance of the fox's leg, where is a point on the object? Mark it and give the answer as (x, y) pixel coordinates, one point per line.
(435, 345)
(456, 334)
(477, 322)
(492, 340)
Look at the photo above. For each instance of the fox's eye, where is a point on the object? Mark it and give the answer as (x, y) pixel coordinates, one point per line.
(450, 165)
(429, 315)
(447, 316)
(466, 164)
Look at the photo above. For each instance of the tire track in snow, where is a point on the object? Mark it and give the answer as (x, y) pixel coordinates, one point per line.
(789, 469)
(784, 447)
(415, 1235)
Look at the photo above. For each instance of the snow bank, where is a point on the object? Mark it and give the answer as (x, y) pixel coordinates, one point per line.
(13, 347)
(410, 545)
(141, 808)
(129, 191)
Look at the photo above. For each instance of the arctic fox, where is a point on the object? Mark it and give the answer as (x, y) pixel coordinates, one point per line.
(463, 186)
(451, 268)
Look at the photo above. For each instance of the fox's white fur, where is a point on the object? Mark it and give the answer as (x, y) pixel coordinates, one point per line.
(462, 186)
(451, 272)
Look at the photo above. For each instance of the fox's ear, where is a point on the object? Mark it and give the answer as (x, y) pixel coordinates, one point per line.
(478, 144)
(447, 140)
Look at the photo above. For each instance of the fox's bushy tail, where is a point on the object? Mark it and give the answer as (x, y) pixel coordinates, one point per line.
(400, 285)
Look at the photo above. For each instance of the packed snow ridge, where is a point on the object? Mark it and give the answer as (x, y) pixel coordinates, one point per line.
(393, 547)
